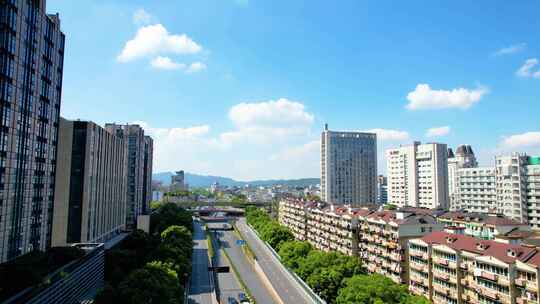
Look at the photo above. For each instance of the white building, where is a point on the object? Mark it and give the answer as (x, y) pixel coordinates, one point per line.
(511, 188)
(518, 187)
(349, 167)
(464, 158)
(476, 190)
(418, 175)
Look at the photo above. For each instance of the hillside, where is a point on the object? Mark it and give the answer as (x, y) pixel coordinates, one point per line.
(196, 180)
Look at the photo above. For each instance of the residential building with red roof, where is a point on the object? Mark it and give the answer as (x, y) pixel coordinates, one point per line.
(452, 268)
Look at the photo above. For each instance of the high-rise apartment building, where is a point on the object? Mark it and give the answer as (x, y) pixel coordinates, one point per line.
(90, 197)
(475, 190)
(518, 187)
(31, 68)
(382, 189)
(348, 167)
(463, 158)
(418, 175)
(511, 188)
(134, 139)
(147, 175)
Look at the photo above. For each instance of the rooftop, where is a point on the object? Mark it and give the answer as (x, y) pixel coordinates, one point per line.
(504, 252)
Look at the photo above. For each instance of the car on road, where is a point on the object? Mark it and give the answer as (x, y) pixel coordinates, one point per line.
(243, 298)
(231, 300)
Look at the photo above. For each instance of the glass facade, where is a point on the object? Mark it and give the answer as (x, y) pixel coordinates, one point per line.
(31, 68)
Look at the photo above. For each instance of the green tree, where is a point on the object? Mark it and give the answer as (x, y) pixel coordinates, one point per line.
(372, 289)
(180, 262)
(169, 214)
(416, 300)
(155, 283)
(292, 252)
(178, 235)
(275, 234)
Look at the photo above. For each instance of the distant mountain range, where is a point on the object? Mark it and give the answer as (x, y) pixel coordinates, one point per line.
(196, 180)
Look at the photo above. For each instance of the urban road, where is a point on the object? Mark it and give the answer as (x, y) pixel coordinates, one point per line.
(200, 286)
(251, 279)
(285, 286)
(227, 284)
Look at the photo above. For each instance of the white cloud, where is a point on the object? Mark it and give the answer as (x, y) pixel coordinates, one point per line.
(155, 39)
(142, 17)
(389, 134)
(282, 112)
(526, 70)
(166, 63)
(516, 48)
(423, 97)
(196, 67)
(524, 140)
(270, 139)
(438, 131)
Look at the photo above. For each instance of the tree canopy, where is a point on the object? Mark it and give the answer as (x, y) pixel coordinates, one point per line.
(157, 282)
(157, 264)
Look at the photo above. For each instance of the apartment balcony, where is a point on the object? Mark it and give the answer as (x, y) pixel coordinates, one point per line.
(469, 294)
(418, 291)
(525, 301)
(502, 280)
(419, 267)
(441, 275)
(529, 285)
(449, 292)
(419, 254)
(396, 257)
(444, 262)
(493, 294)
(420, 280)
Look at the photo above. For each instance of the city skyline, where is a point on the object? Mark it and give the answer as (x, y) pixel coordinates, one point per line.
(445, 79)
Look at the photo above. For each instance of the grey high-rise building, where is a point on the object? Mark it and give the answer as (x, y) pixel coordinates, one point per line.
(90, 197)
(137, 201)
(31, 69)
(147, 175)
(348, 167)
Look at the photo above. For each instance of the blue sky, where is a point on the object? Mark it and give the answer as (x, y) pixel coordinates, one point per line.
(242, 88)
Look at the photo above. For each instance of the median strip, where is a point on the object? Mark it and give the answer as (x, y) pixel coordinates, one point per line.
(238, 277)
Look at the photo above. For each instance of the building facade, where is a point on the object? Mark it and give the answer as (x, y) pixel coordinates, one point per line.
(463, 158)
(450, 268)
(481, 225)
(91, 181)
(134, 139)
(418, 176)
(382, 190)
(147, 174)
(348, 167)
(178, 182)
(384, 237)
(476, 190)
(333, 228)
(31, 68)
(378, 238)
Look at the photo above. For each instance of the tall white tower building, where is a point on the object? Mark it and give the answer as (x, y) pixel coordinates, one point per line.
(463, 158)
(348, 167)
(418, 175)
